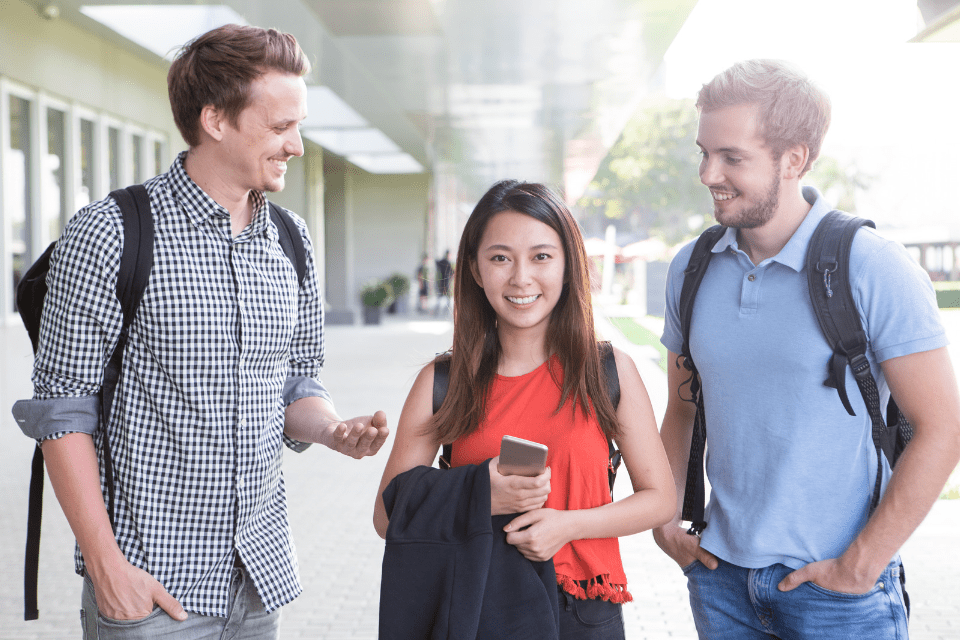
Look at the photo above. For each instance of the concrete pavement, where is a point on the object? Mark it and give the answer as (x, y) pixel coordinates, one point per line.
(331, 501)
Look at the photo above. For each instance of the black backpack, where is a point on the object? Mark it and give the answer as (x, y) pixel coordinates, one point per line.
(827, 267)
(441, 380)
(136, 262)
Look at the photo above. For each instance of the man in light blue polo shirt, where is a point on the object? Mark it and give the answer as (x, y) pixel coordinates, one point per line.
(790, 550)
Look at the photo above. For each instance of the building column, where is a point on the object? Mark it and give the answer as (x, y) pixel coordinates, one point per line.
(338, 255)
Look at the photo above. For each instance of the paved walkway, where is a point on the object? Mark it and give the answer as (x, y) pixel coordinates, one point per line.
(331, 502)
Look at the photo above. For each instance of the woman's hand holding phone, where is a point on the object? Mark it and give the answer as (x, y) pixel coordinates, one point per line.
(516, 494)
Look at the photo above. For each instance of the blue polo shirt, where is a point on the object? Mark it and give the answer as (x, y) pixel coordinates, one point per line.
(791, 473)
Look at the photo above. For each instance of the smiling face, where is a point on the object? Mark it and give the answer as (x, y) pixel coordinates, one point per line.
(737, 167)
(520, 266)
(266, 134)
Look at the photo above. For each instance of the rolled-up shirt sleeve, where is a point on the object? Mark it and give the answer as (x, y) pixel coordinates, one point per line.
(300, 387)
(46, 419)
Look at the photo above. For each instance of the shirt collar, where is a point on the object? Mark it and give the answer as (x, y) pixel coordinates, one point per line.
(200, 207)
(794, 253)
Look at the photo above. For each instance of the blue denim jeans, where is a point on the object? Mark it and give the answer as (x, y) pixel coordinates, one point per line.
(589, 619)
(734, 602)
(246, 619)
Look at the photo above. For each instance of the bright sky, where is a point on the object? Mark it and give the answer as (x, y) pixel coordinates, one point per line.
(895, 103)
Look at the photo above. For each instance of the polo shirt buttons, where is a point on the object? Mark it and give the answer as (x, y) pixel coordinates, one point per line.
(751, 277)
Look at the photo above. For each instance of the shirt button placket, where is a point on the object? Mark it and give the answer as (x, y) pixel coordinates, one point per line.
(750, 295)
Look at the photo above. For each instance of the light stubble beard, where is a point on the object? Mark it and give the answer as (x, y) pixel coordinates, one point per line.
(758, 215)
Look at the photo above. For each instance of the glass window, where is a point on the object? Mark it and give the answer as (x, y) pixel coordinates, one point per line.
(53, 185)
(17, 190)
(113, 157)
(87, 188)
(158, 167)
(136, 148)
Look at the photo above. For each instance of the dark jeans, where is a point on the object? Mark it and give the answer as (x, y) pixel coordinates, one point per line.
(589, 619)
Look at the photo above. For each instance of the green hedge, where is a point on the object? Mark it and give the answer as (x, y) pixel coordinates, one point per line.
(948, 294)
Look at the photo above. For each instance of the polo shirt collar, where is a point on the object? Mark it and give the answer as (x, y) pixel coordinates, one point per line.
(200, 207)
(794, 253)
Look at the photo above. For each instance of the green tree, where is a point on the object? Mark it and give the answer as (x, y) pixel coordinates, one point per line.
(838, 182)
(649, 181)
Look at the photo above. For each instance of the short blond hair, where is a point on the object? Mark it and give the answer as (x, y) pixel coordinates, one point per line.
(793, 109)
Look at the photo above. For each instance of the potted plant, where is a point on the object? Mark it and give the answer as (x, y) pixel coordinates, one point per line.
(375, 295)
(400, 284)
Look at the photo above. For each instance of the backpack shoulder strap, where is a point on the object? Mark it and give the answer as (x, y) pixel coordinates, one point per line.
(136, 263)
(290, 240)
(828, 278)
(612, 377)
(828, 268)
(441, 382)
(692, 277)
(609, 362)
(694, 499)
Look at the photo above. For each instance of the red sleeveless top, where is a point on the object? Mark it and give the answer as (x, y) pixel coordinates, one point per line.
(524, 406)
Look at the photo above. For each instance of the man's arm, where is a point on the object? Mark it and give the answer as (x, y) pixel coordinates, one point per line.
(124, 592)
(925, 389)
(314, 419)
(676, 433)
(75, 334)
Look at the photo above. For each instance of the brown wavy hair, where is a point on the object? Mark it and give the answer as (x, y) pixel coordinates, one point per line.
(218, 67)
(476, 350)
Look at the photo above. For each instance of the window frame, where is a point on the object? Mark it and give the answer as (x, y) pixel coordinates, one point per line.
(40, 101)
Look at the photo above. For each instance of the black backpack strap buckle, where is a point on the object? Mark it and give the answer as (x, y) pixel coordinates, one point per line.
(859, 365)
(693, 528)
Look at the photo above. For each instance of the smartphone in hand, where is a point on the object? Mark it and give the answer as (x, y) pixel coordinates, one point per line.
(519, 457)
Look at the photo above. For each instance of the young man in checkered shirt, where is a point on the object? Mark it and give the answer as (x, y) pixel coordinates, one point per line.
(220, 371)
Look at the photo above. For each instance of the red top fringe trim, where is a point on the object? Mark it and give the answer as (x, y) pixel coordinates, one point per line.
(598, 587)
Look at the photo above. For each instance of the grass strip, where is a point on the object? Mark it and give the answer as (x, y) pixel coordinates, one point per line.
(948, 294)
(638, 334)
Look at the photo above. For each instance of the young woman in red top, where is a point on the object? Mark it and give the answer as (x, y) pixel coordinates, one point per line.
(525, 363)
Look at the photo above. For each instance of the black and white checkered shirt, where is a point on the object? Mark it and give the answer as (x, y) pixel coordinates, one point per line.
(224, 339)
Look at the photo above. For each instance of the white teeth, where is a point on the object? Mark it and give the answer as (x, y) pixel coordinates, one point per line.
(526, 300)
(722, 196)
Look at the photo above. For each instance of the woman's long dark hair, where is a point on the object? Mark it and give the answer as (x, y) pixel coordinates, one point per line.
(476, 351)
